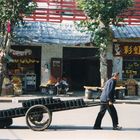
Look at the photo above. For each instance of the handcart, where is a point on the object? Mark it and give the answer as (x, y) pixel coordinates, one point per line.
(38, 112)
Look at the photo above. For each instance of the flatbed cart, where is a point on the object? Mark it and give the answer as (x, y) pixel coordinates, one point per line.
(38, 112)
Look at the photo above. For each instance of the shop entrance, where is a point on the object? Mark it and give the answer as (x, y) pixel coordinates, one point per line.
(82, 67)
(25, 66)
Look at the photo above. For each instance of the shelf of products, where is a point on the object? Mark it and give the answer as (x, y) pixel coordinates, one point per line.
(30, 82)
(131, 68)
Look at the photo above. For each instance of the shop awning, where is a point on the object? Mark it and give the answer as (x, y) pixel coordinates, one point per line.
(52, 33)
(126, 32)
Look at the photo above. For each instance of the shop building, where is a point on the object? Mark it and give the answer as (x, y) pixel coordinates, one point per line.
(126, 52)
(79, 64)
(25, 65)
(61, 49)
(57, 49)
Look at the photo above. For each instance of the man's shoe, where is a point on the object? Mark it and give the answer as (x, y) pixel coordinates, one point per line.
(98, 128)
(117, 128)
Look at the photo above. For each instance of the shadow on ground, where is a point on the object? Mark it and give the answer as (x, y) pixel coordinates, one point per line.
(73, 128)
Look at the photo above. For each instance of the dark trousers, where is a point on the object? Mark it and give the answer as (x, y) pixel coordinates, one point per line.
(112, 111)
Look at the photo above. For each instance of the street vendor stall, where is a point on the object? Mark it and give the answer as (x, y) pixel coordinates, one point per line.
(92, 92)
(17, 85)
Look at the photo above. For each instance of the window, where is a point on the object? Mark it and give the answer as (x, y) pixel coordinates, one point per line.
(131, 67)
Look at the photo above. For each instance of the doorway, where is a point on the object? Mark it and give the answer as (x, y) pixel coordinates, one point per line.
(26, 66)
(82, 67)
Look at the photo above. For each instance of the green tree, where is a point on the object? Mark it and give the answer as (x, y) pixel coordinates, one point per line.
(11, 14)
(102, 14)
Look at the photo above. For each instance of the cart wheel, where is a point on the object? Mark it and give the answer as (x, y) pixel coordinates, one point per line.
(38, 117)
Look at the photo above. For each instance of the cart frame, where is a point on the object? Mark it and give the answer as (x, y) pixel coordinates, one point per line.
(38, 112)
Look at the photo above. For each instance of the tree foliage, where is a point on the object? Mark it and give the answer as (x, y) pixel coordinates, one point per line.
(13, 11)
(102, 14)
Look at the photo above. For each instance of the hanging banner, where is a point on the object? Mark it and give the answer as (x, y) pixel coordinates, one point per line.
(26, 52)
(25, 61)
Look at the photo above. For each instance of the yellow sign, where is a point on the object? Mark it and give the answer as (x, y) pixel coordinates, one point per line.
(123, 49)
(131, 50)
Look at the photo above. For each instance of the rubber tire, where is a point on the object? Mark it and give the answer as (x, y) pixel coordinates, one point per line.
(46, 125)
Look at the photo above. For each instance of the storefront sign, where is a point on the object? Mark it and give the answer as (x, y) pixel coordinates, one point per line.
(25, 61)
(126, 49)
(21, 53)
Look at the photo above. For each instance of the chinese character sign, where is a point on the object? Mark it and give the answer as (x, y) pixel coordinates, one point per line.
(126, 49)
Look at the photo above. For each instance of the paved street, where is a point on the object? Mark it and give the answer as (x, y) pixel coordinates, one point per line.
(77, 124)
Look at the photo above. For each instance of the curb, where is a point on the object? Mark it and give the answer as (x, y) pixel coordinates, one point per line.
(16, 100)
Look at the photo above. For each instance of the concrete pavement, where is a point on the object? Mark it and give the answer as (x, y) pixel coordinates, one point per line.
(70, 95)
(77, 124)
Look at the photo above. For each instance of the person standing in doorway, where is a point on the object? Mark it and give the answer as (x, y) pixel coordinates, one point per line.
(107, 100)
